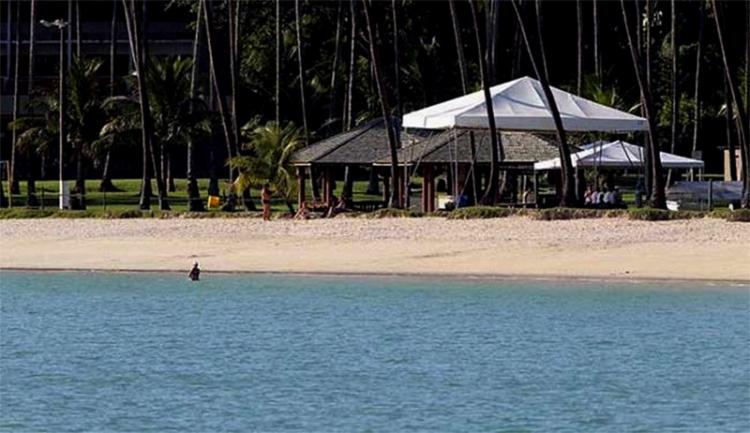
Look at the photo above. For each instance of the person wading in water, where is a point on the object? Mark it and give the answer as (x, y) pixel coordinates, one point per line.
(195, 273)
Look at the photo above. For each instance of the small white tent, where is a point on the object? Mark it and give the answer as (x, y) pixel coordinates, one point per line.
(617, 154)
(520, 105)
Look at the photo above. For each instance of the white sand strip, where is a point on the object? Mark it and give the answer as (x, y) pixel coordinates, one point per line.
(598, 248)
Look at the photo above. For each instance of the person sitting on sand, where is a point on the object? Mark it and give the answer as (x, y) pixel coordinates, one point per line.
(195, 273)
(265, 197)
(302, 213)
(341, 206)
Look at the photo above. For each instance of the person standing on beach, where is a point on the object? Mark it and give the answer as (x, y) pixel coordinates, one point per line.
(265, 196)
(195, 273)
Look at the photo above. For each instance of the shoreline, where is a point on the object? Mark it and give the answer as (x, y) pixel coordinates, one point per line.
(706, 250)
(380, 275)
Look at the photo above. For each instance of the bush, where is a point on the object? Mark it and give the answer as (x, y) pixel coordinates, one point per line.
(395, 213)
(651, 214)
(567, 213)
(480, 212)
(23, 213)
(739, 215)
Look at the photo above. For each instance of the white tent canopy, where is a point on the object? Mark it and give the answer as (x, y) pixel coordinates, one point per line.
(520, 105)
(617, 154)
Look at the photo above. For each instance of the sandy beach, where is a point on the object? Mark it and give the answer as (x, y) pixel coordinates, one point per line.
(707, 249)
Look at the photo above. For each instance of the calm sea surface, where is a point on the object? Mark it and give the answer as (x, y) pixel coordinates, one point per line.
(154, 352)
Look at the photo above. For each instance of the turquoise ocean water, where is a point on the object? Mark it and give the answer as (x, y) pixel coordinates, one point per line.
(155, 352)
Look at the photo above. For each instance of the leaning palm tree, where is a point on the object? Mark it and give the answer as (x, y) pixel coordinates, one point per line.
(301, 76)
(385, 107)
(743, 127)
(490, 192)
(568, 196)
(658, 199)
(268, 159)
(223, 111)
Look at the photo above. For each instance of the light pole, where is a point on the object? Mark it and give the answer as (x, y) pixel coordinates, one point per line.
(60, 25)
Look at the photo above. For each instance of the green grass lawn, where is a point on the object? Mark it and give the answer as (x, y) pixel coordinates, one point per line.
(128, 198)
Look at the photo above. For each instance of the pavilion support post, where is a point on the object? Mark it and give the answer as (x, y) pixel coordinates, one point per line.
(386, 187)
(536, 189)
(428, 189)
(328, 186)
(300, 186)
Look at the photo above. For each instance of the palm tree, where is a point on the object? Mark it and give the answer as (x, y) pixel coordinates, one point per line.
(195, 204)
(490, 191)
(31, 200)
(223, 111)
(335, 65)
(739, 106)
(84, 115)
(459, 47)
(350, 83)
(579, 46)
(382, 96)
(106, 183)
(657, 183)
(675, 94)
(277, 95)
(597, 58)
(137, 47)
(268, 159)
(728, 110)
(301, 76)
(566, 167)
(696, 95)
(12, 180)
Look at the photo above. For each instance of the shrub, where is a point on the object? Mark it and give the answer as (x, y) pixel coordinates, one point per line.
(739, 215)
(566, 213)
(395, 213)
(480, 212)
(23, 213)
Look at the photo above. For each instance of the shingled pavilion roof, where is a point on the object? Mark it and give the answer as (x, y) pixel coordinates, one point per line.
(454, 146)
(362, 145)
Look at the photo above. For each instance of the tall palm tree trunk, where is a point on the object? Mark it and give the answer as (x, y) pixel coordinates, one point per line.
(303, 103)
(465, 88)
(491, 190)
(731, 143)
(277, 95)
(568, 196)
(352, 54)
(675, 93)
(78, 28)
(696, 94)
(12, 180)
(195, 204)
(657, 182)
(743, 127)
(597, 59)
(137, 46)
(579, 46)
(335, 65)
(384, 105)
(106, 183)
(32, 160)
(459, 47)
(223, 111)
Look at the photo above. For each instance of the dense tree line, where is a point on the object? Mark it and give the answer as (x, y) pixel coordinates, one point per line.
(269, 77)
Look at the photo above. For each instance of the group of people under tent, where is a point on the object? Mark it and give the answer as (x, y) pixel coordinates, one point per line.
(605, 196)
